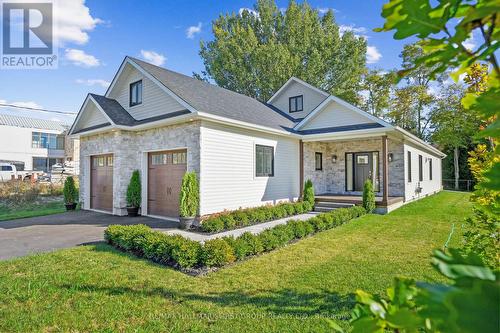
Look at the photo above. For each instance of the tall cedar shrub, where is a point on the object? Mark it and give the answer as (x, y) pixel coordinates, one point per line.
(189, 198)
(69, 191)
(368, 196)
(134, 190)
(309, 192)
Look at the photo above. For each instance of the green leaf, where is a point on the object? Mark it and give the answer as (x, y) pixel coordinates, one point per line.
(367, 325)
(405, 318)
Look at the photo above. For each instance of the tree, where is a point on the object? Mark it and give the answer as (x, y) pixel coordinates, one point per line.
(410, 102)
(452, 124)
(378, 87)
(255, 53)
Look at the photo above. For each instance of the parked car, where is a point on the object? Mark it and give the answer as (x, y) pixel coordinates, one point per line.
(9, 171)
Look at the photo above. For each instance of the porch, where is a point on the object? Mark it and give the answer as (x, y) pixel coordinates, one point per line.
(339, 166)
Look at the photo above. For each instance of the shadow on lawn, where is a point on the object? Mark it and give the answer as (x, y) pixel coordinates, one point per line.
(283, 302)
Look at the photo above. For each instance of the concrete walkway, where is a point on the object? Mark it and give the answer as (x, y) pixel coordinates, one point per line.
(254, 229)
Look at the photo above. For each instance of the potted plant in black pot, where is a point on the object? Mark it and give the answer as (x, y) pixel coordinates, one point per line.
(189, 200)
(134, 194)
(70, 193)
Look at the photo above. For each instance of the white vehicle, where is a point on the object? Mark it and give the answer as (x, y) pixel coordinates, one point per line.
(9, 171)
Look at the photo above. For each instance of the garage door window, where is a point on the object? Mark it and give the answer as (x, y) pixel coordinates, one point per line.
(179, 158)
(109, 161)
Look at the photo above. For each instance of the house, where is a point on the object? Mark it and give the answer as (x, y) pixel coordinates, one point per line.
(245, 152)
(34, 144)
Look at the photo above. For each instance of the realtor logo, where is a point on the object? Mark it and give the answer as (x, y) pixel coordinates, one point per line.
(27, 36)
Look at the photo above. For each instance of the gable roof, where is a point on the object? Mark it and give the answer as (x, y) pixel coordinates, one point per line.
(26, 122)
(208, 98)
(295, 79)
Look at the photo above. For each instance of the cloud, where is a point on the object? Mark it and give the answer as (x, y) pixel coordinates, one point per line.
(73, 21)
(193, 30)
(358, 31)
(324, 10)
(93, 82)
(249, 10)
(80, 58)
(153, 57)
(372, 55)
(28, 104)
(470, 43)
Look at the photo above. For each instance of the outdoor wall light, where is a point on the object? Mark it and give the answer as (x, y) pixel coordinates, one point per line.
(334, 158)
(390, 156)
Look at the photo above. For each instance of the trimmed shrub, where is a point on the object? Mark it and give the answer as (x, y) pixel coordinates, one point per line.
(269, 240)
(181, 252)
(317, 223)
(368, 196)
(228, 220)
(284, 233)
(306, 206)
(213, 225)
(134, 190)
(309, 192)
(289, 208)
(70, 192)
(185, 252)
(217, 252)
(189, 198)
(241, 218)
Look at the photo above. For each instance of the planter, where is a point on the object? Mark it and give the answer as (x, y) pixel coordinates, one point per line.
(133, 211)
(71, 206)
(186, 222)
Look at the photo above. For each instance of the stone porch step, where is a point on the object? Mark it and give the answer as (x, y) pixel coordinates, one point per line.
(326, 206)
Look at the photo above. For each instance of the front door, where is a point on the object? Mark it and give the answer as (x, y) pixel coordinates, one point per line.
(362, 169)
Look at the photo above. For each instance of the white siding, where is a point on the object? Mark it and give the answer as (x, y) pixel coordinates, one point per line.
(91, 116)
(334, 115)
(155, 101)
(15, 145)
(311, 99)
(227, 169)
(428, 186)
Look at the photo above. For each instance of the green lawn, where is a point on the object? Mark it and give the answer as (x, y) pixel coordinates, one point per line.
(30, 210)
(95, 288)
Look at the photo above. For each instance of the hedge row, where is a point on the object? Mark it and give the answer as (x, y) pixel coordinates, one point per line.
(249, 216)
(177, 251)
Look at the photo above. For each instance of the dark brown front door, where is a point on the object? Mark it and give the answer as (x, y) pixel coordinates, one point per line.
(101, 182)
(165, 171)
(362, 169)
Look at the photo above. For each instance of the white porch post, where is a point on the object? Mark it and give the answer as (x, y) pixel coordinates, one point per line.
(385, 171)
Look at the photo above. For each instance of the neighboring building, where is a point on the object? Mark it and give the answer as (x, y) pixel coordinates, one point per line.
(245, 152)
(32, 144)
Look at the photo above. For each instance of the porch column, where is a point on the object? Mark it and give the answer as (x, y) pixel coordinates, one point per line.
(385, 171)
(301, 167)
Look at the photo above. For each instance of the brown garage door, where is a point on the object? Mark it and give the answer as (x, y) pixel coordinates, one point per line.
(165, 171)
(101, 182)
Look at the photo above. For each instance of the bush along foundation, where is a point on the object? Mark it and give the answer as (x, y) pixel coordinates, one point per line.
(195, 258)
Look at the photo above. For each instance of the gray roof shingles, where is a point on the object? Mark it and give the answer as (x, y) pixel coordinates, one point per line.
(209, 98)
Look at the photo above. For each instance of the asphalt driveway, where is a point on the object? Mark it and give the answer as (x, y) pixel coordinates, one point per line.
(47, 233)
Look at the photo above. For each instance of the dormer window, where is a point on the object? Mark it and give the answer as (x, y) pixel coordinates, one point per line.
(296, 104)
(136, 93)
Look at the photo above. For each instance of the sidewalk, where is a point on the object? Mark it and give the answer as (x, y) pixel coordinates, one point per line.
(254, 229)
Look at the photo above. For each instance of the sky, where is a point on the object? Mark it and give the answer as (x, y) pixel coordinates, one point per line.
(94, 36)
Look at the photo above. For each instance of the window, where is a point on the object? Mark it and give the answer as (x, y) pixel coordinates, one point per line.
(47, 140)
(136, 93)
(109, 161)
(264, 161)
(319, 161)
(40, 163)
(430, 169)
(6, 168)
(409, 166)
(179, 158)
(420, 169)
(362, 159)
(296, 104)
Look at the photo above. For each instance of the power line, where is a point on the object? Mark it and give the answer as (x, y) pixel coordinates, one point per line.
(37, 109)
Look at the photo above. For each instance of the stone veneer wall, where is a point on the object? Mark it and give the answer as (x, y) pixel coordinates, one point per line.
(129, 149)
(332, 178)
